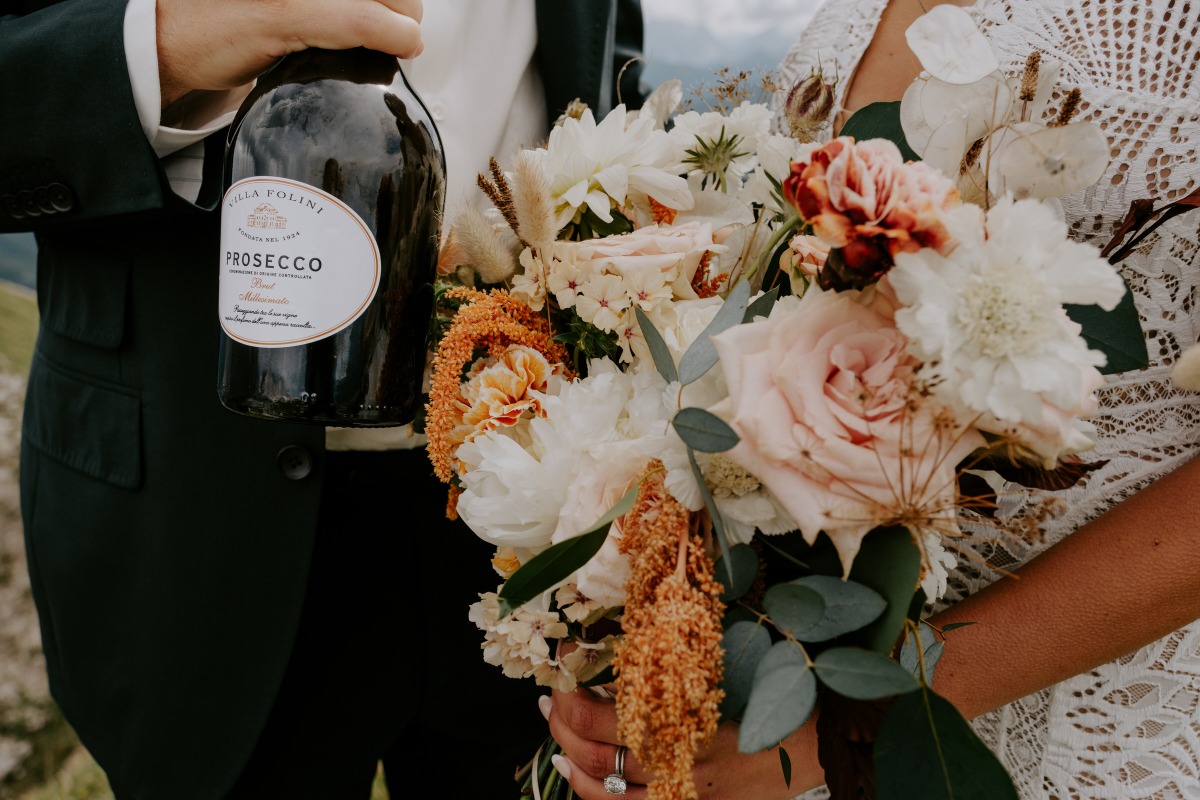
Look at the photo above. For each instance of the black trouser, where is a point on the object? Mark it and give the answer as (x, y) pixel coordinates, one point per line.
(386, 664)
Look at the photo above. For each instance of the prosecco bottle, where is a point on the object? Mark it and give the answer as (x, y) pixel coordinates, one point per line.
(334, 192)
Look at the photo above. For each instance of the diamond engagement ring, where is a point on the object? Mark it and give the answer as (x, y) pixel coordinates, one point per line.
(615, 783)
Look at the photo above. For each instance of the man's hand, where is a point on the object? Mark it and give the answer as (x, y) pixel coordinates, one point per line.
(223, 44)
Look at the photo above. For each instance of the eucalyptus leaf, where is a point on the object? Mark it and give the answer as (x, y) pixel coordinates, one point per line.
(1117, 334)
(862, 674)
(926, 749)
(780, 702)
(926, 643)
(848, 606)
(701, 355)
(559, 561)
(744, 644)
(782, 654)
(879, 121)
(704, 431)
(793, 609)
(659, 351)
(743, 567)
(762, 305)
(889, 562)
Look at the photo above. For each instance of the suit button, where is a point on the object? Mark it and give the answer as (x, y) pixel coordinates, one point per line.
(27, 203)
(9, 203)
(42, 201)
(60, 197)
(295, 462)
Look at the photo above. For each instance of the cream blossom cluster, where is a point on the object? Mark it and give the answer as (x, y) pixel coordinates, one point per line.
(523, 643)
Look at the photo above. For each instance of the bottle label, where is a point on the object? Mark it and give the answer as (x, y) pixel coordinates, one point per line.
(297, 264)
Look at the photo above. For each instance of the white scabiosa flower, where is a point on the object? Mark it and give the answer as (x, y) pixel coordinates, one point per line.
(988, 322)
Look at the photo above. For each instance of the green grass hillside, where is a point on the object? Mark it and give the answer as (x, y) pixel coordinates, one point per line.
(18, 326)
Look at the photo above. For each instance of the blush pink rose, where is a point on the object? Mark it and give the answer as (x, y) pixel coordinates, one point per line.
(820, 395)
(674, 252)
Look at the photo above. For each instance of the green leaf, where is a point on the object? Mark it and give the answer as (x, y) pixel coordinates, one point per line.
(926, 749)
(848, 606)
(793, 609)
(592, 227)
(549, 568)
(781, 654)
(701, 355)
(1117, 334)
(879, 121)
(762, 305)
(704, 431)
(862, 674)
(930, 648)
(744, 644)
(785, 764)
(556, 563)
(743, 567)
(780, 702)
(659, 351)
(889, 562)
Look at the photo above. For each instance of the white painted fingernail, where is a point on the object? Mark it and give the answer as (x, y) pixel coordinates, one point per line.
(562, 765)
(544, 705)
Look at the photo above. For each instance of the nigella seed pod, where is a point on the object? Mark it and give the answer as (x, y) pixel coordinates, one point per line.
(809, 104)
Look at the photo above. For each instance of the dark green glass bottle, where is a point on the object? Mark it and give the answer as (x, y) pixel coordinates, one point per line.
(334, 193)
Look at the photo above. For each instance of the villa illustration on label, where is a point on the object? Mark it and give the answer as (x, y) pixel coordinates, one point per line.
(266, 216)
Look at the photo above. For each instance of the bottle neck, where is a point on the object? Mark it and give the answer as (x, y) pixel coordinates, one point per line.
(357, 65)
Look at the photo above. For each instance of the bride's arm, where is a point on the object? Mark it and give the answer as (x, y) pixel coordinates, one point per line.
(1126, 579)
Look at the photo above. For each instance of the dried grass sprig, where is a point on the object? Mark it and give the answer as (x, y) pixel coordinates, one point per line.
(532, 204)
(482, 246)
(497, 190)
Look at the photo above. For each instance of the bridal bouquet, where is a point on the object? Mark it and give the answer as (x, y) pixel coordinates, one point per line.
(721, 397)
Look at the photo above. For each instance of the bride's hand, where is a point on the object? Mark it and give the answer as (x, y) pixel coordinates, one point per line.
(585, 726)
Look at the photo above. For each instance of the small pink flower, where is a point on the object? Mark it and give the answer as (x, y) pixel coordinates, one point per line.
(805, 255)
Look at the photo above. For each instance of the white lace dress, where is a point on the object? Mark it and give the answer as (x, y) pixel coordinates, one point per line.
(1129, 729)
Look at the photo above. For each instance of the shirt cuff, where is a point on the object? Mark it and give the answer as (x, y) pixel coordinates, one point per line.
(199, 113)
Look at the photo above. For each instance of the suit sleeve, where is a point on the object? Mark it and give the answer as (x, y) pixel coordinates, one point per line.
(72, 148)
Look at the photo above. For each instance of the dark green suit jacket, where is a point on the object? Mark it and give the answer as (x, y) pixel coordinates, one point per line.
(168, 538)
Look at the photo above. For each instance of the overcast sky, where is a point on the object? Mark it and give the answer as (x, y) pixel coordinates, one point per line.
(733, 17)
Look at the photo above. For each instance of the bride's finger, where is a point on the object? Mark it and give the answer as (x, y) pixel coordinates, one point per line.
(590, 788)
(585, 727)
